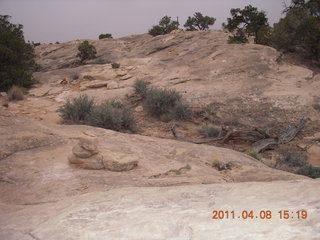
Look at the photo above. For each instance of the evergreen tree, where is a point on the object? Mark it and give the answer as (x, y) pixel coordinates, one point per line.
(16, 56)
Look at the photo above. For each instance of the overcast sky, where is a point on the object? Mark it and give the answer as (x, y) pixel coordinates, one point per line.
(63, 20)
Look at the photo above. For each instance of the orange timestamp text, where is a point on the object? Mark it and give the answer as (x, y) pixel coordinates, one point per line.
(260, 214)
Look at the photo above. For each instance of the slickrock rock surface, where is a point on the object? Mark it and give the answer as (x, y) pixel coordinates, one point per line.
(79, 182)
(181, 212)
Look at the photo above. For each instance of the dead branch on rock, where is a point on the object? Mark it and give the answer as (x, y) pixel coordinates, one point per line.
(291, 133)
(264, 144)
(173, 129)
(285, 137)
(250, 136)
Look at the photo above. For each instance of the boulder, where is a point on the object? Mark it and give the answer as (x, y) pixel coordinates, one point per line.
(94, 162)
(119, 162)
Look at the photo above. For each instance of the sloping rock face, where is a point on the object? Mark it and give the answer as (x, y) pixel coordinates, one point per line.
(181, 212)
(202, 66)
(17, 134)
(44, 174)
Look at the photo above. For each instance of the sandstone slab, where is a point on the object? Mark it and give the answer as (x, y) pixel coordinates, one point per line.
(119, 162)
(179, 213)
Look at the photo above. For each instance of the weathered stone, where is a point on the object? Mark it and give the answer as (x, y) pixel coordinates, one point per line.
(39, 92)
(81, 152)
(121, 72)
(3, 94)
(88, 144)
(139, 109)
(94, 162)
(126, 77)
(119, 162)
(113, 85)
(95, 84)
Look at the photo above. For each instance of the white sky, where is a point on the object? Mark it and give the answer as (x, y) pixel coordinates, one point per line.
(63, 20)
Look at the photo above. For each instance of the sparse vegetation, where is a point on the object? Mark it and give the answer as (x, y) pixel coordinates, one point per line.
(15, 93)
(76, 110)
(166, 25)
(161, 101)
(310, 171)
(141, 88)
(86, 51)
(115, 65)
(16, 58)
(252, 154)
(209, 131)
(291, 158)
(180, 170)
(111, 115)
(199, 22)
(75, 76)
(107, 35)
(176, 171)
(221, 166)
(181, 111)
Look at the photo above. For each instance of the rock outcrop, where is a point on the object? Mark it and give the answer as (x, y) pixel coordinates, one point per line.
(86, 155)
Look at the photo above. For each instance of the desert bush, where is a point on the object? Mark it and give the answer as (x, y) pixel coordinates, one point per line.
(310, 171)
(111, 115)
(15, 93)
(181, 111)
(141, 87)
(160, 101)
(107, 35)
(86, 51)
(291, 158)
(75, 76)
(76, 110)
(209, 131)
(115, 65)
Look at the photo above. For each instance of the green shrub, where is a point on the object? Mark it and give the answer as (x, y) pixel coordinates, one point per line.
(160, 101)
(141, 87)
(291, 158)
(86, 51)
(15, 93)
(112, 116)
(76, 110)
(310, 171)
(209, 131)
(181, 111)
(115, 65)
(107, 35)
